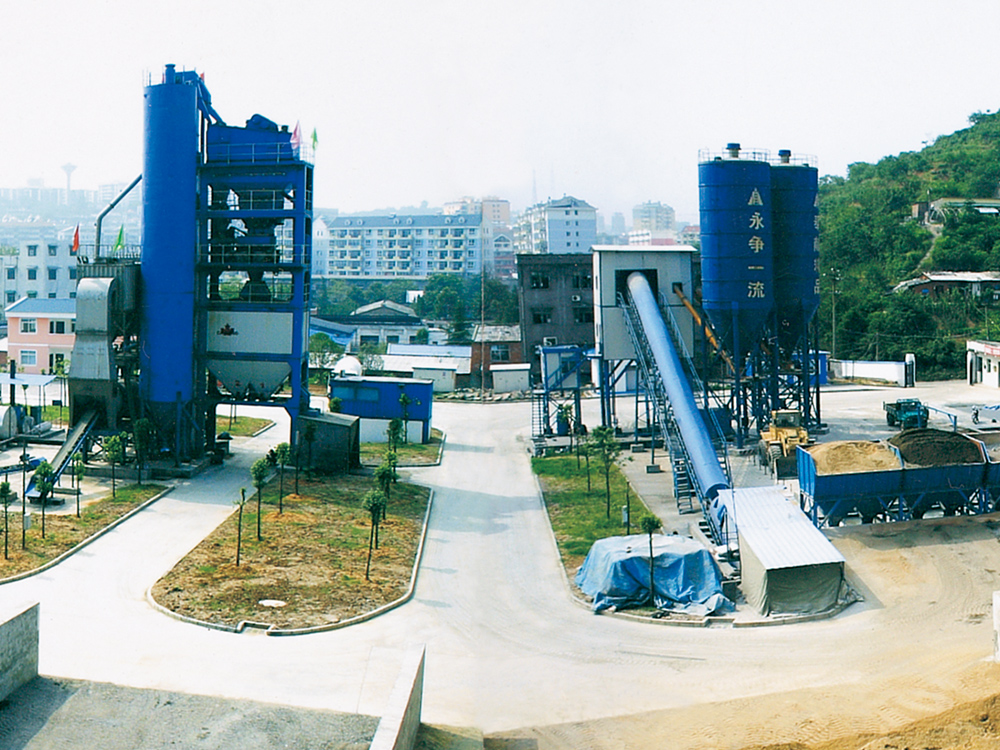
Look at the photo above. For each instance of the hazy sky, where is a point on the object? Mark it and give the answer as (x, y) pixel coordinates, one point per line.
(608, 101)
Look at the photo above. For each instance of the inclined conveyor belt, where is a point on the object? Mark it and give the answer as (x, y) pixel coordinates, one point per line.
(704, 461)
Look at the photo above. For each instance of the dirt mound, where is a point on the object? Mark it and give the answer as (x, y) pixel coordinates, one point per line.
(853, 456)
(972, 726)
(936, 448)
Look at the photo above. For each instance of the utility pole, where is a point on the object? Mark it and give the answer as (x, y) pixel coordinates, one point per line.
(834, 275)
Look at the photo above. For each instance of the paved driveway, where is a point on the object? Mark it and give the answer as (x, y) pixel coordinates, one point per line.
(505, 646)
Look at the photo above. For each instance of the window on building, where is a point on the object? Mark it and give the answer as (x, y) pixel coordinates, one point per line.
(32, 251)
(11, 274)
(11, 298)
(539, 280)
(57, 326)
(72, 272)
(32, 274)
(29, 358)
(52, 295)
(28, 325)
(32, 294)
(53, 274)
(582, 281)
(539, 317)
(53, 249)
(583, 315)
(499, 352)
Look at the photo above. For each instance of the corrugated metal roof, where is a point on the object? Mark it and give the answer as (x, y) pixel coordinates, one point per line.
(431, 350)
(406, 363)
(778, 532)
(41, 306)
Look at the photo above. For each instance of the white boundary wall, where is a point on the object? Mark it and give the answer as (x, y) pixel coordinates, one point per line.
(846, 369)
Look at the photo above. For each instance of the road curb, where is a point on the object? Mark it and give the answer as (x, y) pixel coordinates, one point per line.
(272, 630)
(92, 538)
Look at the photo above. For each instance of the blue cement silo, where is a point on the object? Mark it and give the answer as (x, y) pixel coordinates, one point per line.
(170, 165)
(795, 233)
(736, 246)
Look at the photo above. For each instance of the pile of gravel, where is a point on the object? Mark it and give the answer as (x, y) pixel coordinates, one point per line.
(929, 447)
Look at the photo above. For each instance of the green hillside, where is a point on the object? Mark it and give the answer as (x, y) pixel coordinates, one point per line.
(869, 242)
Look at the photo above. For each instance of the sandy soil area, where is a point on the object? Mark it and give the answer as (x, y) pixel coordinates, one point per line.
(916, 650)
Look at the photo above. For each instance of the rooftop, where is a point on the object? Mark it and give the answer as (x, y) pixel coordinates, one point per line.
(41, 307)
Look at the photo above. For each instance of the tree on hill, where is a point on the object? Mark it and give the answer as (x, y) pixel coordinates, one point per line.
(870, 241)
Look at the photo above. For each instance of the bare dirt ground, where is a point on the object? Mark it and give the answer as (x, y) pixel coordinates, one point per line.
(309, 567)
(907, 668)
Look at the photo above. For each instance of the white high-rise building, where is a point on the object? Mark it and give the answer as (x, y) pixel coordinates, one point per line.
(566, 225)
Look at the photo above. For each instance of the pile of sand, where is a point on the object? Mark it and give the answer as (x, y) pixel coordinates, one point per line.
(936, 448)
(853, 456)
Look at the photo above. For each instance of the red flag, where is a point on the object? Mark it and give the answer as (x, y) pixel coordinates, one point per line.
(76, 240)
(296, 137)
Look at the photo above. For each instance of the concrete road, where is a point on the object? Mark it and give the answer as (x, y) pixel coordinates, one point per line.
(506, 647)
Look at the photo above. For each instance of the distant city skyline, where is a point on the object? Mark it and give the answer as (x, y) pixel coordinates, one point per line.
(607, 102)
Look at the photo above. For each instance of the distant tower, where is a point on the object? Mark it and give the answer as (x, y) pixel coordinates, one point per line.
(68, 169)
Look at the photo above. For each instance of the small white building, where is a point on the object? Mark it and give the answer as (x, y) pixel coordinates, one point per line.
(982, 359)
(511, 378)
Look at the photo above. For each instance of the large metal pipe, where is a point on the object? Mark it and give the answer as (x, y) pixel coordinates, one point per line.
(704, 461)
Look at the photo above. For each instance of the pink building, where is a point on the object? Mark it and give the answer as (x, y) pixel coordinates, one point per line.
(40, 333)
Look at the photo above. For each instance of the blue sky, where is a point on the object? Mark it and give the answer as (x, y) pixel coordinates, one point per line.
(412, 101)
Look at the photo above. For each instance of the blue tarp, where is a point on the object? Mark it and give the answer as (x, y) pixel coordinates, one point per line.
(616, 574)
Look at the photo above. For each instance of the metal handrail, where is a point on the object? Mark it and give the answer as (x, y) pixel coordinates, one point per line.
(259, 153)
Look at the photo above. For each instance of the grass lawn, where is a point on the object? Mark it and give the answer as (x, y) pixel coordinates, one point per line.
(241, 426)
(312, 557)
(63, 532)
(409, 454)
(578, 517)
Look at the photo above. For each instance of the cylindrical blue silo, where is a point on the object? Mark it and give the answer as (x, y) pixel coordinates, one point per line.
(736, 249)
(795, 233)
(169, 187)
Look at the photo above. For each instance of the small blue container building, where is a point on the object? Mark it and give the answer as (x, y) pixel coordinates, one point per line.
(379, 398)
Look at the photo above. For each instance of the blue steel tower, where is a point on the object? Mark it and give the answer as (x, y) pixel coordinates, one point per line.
(225, 259)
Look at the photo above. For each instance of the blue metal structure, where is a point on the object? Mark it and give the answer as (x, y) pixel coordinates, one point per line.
(737, 274)
(760, 280)
(898, 494)
(794, 194)
(379, 398)
(227, 246)
(665, 379)
(173, 124)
